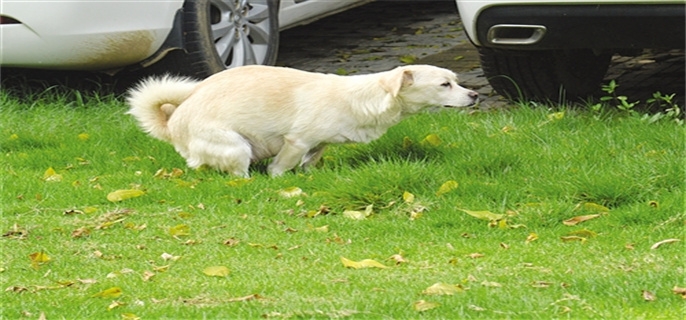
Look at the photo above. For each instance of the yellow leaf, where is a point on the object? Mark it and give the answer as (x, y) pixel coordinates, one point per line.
(573, 238)
(83, 136)
(38, 258)
(291, 192)
(51, 176)
(130, 316)
(408, 197)
(409, 59)
(113, 292)
(443, 289)
(422, 305)
(446, 187)
(531, 238)
(556, 116)
(484, 215)
(366, 263)
(576, 220)
(432, 140)
(355, 215)
(583, 233)
(180, 230)
(216, 271)
(115, 304)
(121, 195)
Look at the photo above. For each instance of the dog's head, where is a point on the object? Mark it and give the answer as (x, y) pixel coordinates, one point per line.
(421, 86)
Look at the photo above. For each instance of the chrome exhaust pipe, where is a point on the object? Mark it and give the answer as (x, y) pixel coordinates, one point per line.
(515, 34)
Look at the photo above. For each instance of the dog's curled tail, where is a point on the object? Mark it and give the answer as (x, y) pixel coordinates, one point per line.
(154, 100)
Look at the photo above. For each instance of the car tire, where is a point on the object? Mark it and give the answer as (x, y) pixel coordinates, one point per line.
(222, 34)
(546, 75)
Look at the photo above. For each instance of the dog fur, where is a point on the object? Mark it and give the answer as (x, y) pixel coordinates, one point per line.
(251, 113)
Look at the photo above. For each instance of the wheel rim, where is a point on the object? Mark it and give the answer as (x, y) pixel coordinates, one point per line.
(240, 31)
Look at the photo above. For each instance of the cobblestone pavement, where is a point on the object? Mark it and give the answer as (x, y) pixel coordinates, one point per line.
(385, 34)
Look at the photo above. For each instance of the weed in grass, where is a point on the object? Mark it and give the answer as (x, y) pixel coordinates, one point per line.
(68, 251)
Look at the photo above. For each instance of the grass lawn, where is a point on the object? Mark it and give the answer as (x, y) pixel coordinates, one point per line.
(519, 213)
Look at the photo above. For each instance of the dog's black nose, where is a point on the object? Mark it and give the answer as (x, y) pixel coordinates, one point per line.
(473, 94)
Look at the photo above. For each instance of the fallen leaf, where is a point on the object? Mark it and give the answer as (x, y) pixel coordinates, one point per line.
(38, 258)
(366, 263)
(180, 230)
(531, 238)
(231, 242)
(115, 304)
(246, 298)
(680, 291)
(422, 305)
(216, 271)
(446, 187)
(51, 176)
(121, 195)
(476, 255)
(658, 244)
(409, 59)
(648, 296)
(573, 238)
(398, 259)
(129, 316)
(147, 275)
(355, 215)
(576, 220)
(443, 289)
(484, 215)
(291, 192)
(113, 292)
(583, 233)
(408, 197)
(431, 140)
(475, 308)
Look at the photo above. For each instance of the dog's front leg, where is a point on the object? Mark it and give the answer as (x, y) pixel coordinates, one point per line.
(288, 157)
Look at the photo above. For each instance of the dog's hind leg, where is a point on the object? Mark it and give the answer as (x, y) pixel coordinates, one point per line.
(227, 151)
(312, 157)
(289, 156)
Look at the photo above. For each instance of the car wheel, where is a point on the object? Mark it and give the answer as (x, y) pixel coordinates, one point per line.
(221, 34)
(555, 75)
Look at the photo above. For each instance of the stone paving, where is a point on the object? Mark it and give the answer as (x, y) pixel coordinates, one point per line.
(382, 35)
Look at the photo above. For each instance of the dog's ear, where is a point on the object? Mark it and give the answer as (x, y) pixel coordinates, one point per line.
(396, 80)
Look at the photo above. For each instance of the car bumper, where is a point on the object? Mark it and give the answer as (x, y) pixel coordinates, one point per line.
(83, 35)
(515, 25)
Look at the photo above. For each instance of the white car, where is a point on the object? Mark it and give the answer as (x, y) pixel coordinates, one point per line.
(192, 37)
(557, 49)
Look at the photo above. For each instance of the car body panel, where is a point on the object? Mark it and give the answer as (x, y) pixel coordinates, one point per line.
(109, 34)
(101, 35)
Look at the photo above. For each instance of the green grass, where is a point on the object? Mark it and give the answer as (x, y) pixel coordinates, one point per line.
(535, 166)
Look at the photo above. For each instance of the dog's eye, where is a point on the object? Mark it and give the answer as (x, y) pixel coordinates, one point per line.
(446, 84)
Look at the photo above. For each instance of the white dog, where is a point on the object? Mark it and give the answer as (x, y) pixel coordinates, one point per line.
(251, 113)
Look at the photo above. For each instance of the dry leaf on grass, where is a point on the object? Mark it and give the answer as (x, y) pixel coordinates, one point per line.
(446, 187)
(121, 195)
(113, 292)
(443, 289)
(422, 305)
(216, 271)
(679, 291)
(366, 263)
(648, 296)
(576, 220)
(483, 215)
(658, 244)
